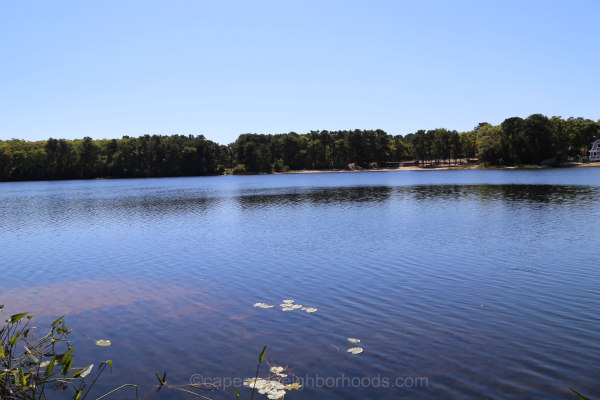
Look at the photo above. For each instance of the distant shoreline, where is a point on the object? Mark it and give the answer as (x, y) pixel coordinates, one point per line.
(334, 171)
(435, 168)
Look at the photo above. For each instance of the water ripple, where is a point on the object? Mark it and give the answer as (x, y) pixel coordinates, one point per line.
(484, 282)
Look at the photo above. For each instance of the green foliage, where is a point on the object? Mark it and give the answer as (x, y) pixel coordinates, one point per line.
(468, 142)
(515, 141)
(533, 140)
(489, 144)
(317, 150)
(512, 140)
(175, 155)
(239, 169)
(435, 145)
(29, 365)
(278, 165)
(161, 381)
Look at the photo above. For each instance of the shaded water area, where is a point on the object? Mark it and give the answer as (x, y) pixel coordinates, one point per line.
(485, 283)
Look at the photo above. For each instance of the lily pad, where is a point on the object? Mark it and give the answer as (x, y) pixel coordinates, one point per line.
(278, 371)
(104, 343)
(262, 305)
(294, 385)
(309, 309)
(353, 340)
(355, 350)
(273, 389)
(275, 395)
(288, 301)
(287, 309)
(251, 381)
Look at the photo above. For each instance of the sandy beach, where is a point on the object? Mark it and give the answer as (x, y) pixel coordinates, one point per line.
(435, 168)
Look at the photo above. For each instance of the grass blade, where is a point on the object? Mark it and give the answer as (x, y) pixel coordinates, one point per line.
(579, 394)
(260, 360)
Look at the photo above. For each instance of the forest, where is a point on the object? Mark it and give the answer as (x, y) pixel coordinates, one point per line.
(516, 141)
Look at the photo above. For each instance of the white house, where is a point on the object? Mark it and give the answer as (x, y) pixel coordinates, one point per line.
(595, 151)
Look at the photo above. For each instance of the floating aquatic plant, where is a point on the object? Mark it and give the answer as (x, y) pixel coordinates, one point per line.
(103, 343)
(278, 371)
(355, 350)
(272, 386)
(273, 389)
(262, 305)
(287, 305)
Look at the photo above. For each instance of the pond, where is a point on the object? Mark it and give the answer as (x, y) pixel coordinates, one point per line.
(458, 284)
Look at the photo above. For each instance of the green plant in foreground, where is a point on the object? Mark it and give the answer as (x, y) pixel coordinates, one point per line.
(30, 365)
(260, 360)
(579, 394)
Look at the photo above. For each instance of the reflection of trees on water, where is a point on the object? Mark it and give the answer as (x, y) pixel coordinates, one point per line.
(509, 193)
(432, 192)
(531, 194)
(161, 204)
(318, 196)
(541, 194)
(59, 209)
(152, 205)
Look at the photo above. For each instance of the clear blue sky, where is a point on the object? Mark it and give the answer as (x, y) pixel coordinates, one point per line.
(105, 69)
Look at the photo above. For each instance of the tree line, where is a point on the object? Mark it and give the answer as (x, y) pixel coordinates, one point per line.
(516, 141)
(145, 156)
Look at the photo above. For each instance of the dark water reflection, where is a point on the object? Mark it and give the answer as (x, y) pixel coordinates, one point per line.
(527, 194)
(321, 196)
(484, 282)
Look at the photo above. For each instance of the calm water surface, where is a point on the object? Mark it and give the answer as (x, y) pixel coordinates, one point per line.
(486, 283)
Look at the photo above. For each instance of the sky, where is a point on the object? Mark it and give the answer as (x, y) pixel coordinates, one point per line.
(105, 69)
